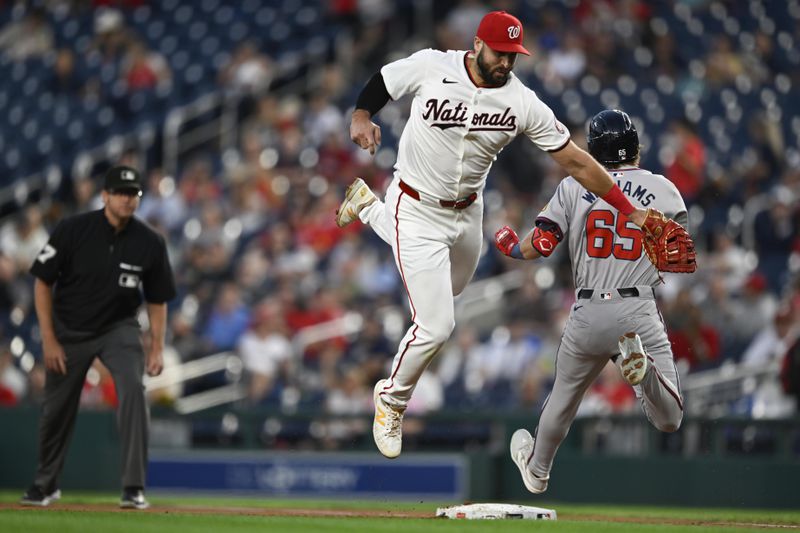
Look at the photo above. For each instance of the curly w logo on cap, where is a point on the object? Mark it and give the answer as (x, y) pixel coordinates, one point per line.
(502, 32)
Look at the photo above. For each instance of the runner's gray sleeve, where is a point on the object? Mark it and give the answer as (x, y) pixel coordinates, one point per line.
(556, 210)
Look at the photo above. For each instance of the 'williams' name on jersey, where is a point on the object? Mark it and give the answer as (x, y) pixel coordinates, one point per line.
(634, 191)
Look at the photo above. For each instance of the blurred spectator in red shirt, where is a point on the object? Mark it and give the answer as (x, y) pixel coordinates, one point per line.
(692, 338)
(696, 341)
(13, 382)
(318, 229)
(609, 394)
(99, 391)
(687, 170)
(144, 69)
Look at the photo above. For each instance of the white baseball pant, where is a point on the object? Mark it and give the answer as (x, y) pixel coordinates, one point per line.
(436, 251)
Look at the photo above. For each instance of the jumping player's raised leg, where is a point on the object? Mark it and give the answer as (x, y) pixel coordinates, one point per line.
(660, 394)
(360, 202)
(659, 389)
(376, 217)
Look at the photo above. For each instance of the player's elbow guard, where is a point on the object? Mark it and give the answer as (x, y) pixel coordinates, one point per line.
(544, 241)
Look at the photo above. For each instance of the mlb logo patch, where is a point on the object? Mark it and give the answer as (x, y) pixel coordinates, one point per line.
(605, 295)
(128, 281)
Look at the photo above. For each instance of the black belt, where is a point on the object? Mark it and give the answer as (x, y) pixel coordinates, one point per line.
(626, 292)
(461, 203)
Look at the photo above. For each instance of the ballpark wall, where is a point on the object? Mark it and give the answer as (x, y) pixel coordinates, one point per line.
(714, 479)
(691, 482)
(93, 461)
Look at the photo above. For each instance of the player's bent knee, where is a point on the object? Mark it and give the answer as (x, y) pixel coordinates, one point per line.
(441, 336)
(450, 328)
(440, 333)
(670, 426)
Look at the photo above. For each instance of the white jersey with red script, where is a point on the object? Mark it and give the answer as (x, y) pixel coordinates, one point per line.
(457, 128)
(604, 245)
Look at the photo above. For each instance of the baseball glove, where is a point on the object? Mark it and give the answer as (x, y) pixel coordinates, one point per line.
(668, 245)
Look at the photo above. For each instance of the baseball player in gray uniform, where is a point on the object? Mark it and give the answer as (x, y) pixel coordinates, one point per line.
(467, 106)
(615, 314)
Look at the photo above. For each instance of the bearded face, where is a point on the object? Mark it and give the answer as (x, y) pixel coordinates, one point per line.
(494, 67)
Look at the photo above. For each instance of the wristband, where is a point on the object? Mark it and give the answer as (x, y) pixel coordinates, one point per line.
(516, 252)
(615, 198)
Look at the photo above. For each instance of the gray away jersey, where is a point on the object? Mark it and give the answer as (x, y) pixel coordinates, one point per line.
(605, 247)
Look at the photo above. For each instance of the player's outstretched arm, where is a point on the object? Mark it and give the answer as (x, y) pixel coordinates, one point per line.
(594, 178)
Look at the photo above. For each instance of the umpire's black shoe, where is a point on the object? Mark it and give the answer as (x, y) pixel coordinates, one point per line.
(35, 496)
(133, 498)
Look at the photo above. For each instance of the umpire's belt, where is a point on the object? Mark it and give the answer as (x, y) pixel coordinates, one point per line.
(625, 292)
(461, 203)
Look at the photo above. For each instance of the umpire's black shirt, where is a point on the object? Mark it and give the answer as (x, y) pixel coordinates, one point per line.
(97, 272)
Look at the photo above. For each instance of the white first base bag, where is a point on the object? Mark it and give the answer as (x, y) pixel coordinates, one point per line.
(495, 511)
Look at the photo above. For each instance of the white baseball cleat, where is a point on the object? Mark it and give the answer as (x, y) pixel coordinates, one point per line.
(521, 450)
(387, 427)
(34, 496)
(357, 196)
(634, 358)
(133, 499)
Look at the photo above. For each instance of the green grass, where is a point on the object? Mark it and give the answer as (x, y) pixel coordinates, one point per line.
(579, 518)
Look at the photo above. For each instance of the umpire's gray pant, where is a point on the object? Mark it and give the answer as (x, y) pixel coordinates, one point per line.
(120, 350)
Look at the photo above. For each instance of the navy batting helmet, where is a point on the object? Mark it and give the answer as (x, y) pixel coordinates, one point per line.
(612, 137)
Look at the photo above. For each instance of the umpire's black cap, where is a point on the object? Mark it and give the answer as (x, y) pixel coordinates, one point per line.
(122, 178)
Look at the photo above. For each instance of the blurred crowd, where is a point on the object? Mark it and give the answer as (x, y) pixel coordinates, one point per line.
(260, 262)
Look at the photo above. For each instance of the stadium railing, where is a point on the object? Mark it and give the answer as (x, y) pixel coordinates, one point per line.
(735, 387)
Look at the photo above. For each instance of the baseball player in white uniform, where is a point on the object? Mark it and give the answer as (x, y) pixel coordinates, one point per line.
(615, 312)
(467, 105)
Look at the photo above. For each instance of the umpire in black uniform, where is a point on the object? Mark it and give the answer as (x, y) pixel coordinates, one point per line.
(90, 278)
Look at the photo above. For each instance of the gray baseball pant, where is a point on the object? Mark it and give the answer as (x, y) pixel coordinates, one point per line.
(120, 350)
(590, 338)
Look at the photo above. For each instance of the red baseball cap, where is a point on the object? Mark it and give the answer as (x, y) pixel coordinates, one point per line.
(502, 31)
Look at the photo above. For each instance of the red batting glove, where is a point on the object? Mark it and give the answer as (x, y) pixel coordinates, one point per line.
(505, 239)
